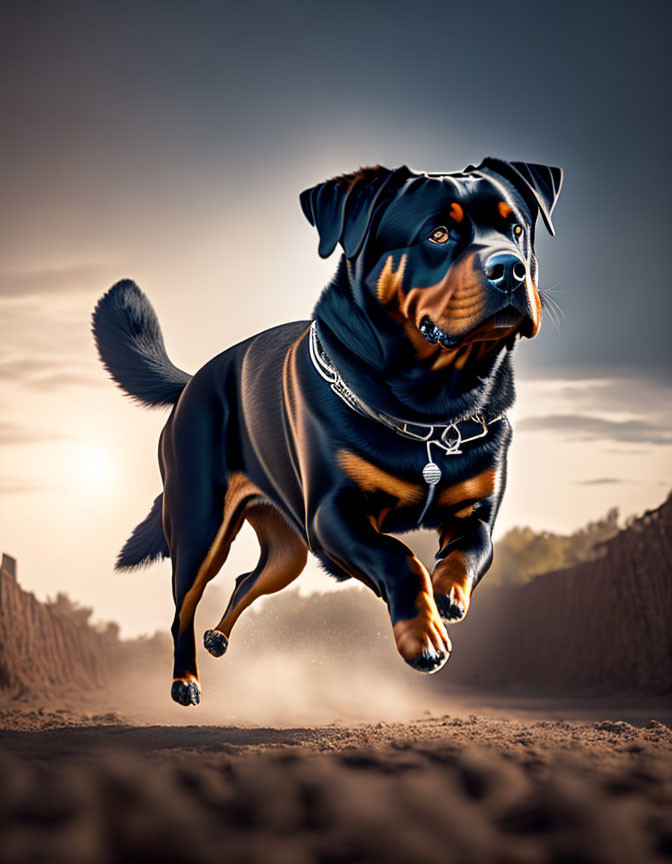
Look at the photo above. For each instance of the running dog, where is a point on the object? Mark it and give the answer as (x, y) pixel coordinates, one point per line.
(385, 412)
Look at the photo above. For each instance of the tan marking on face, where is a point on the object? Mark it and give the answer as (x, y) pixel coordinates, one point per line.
(474, 348)
(391, 296)
(484, 339)
(473, 489)
(487, 336)
(462, 357)
(534, 301)
(444, 359)
(456, 212)
(505, 210)
(239, 490)
(371, 478)
(390, 281)
(454, 303)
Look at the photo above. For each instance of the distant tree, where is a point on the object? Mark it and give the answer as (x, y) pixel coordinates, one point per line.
(523, 553)
(110, 629)
(63, 605)
(582, 544)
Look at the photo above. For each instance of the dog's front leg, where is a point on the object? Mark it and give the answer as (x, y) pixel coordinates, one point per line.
(464, 556)
(347, 535)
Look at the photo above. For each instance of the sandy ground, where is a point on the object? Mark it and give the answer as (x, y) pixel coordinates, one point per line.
(491, 786)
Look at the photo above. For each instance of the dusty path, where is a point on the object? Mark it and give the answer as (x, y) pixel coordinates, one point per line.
(439, 789)
(58, 735)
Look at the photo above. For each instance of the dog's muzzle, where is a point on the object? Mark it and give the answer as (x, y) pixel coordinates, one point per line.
(508, 273)
(505, 271)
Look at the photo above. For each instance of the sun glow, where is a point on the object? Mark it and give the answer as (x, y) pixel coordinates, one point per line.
(93, 464)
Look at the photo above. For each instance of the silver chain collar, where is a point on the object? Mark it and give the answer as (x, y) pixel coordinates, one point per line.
(450, 439)
(447, 436)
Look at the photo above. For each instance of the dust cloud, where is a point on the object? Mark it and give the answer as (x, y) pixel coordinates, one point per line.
(292, 659)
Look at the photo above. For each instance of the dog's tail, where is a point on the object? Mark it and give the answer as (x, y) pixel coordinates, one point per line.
(147, 543)
(130, 346)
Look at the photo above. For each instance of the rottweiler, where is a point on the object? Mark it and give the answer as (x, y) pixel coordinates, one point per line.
(383, 413)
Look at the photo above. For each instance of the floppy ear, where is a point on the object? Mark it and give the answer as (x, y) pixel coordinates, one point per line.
(538, 184)
(341, 208)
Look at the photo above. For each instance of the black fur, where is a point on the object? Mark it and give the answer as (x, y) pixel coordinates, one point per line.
(147, 543)
(130, 346)
(437, 280)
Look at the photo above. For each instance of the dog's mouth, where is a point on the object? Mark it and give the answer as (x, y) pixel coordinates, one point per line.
(435, 335)
(508, 322)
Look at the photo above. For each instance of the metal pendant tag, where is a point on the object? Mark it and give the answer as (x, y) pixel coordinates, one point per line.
(431, 473)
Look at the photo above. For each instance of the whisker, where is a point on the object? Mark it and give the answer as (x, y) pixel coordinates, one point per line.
(552, 307)
(552, 303)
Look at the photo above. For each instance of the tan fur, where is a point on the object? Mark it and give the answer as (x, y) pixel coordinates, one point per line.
(505, 210)
(240, 489)
(426, 629)
(454, 303)
(284, 554)
(456, 212)
(481, 486)
(451, 577)
(371, 478)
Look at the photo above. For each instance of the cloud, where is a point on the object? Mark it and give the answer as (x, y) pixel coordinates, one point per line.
(45, 348)
(19, 368)
(38, 327)
(54, 382)
(50, 282)
(46, 373)
(13, 433)
(625, 451)
(644, 395)
(636, 389)
(18, 486)
(584, 427)
(600, 481)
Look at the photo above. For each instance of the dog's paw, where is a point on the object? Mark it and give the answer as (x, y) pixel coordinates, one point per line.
(429, 660)
(215, 642)
(423, 641)
(186, 691)
(452, 606)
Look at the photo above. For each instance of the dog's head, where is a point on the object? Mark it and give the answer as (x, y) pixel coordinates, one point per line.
(450, 257)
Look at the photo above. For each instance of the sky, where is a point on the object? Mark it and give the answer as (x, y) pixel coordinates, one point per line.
(168, 142)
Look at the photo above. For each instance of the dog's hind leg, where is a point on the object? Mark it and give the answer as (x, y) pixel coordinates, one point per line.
(283, 557)
(199, 549)
(200, 531)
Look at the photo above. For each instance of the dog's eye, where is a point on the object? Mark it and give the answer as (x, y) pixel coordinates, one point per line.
(439, 235)
(517, 230)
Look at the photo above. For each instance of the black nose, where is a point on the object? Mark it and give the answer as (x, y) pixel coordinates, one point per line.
(505, 271)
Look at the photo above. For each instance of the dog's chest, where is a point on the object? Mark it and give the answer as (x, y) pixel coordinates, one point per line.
(396, 484)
